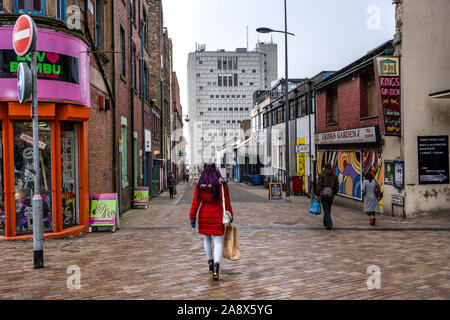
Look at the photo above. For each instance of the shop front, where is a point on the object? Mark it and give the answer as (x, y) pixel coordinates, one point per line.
(352, 154)
(63, 112)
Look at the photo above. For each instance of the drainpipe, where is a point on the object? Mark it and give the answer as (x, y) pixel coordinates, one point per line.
(132, 112)
(144, 157)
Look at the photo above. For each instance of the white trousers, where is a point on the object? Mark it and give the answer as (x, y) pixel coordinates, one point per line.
(217, 248)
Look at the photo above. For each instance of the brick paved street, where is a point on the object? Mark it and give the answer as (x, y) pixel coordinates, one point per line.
(287, 254)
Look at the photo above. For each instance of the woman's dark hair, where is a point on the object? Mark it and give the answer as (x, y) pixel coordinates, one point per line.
(210, 175)
(369, 176)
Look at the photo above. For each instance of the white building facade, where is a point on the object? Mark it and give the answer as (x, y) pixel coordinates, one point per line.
(220, 95)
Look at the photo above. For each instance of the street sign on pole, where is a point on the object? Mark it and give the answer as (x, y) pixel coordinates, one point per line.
(24, 41)
(24, 35)
(24, 82)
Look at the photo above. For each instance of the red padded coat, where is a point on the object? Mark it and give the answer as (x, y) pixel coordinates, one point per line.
(210, 213)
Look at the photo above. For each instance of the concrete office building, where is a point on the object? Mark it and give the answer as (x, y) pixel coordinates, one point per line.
(220, 94)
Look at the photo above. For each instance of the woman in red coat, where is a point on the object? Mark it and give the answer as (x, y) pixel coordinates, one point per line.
(208, 202)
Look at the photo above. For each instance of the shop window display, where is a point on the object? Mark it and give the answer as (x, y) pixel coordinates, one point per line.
(2, 202)
(69, 171)
(23, 175)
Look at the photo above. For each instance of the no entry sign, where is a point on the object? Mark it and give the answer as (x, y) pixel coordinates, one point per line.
(24, 35)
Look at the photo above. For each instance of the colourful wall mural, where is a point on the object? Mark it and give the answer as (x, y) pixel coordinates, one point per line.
(347, 166)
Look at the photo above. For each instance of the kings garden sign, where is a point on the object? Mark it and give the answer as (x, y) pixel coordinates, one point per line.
(50, 65)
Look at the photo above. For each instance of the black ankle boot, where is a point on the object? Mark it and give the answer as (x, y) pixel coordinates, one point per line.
(211, 266)
(216, 271)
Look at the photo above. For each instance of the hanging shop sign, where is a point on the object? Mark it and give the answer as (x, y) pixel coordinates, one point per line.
(433, 159)
(359, 135)
(103, 210)
(62, 67)
(387, 77)
(140, 199)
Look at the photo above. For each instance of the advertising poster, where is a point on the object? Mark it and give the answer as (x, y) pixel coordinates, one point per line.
(399, 179)
(103, 210)
(140, 198)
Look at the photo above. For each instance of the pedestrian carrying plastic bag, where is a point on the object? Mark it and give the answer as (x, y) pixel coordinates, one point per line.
(315, 207)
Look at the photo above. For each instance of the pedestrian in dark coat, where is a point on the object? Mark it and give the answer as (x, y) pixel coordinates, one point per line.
(327, 188)
(371, 203)
(207, 202)
(171, 184)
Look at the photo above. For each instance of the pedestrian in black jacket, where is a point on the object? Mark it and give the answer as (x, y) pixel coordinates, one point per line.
(327, 188)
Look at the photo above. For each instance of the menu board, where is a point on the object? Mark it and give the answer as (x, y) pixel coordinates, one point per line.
(433, 159)
(275, 190)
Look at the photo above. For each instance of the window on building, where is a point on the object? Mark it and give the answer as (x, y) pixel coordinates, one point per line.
(217, 96)
(200, 88)
(98, 24)
(60, 9)
(124, 152)
(235, 63)
(30, 6)
(133, 66)
(291, 109)
(200, 62)
(146, 82)
(235, 79)
(211, 70)
(122, 52)
(332, 106)
(254, 71)
(241, 83)
(211, 96)
(369, 107)
(219, 80)
(133, 11)
(243, 70)
(219, 63)
(145, 27)
(251, 83)
(198, 75)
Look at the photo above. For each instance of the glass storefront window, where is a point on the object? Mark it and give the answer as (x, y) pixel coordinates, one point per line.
(23, 175)
(2, 202)
(69, 166)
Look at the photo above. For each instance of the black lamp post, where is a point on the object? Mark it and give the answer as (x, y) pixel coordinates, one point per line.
(286, 93)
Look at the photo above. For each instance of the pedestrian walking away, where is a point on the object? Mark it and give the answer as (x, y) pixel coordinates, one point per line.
(371, 202)
(207, 208)
(171, 184)
(327, 188)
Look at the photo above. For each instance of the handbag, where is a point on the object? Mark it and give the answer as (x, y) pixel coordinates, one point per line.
(230, 244)
(377, 191)
(226, 216)
(175, 191)
(315, 207)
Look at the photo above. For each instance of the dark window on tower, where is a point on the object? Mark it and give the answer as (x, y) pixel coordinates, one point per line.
(98, 24)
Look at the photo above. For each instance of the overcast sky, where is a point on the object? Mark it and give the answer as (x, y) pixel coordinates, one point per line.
(329, 34)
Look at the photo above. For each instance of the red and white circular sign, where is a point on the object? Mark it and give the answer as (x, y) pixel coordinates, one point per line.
(24, 35)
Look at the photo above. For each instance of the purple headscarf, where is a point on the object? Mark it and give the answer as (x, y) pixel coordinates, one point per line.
(210, 175)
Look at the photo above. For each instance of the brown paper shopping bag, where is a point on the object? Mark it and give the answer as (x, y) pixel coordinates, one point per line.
(230, 248)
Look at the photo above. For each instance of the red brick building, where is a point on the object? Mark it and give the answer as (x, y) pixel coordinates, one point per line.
(348, 124)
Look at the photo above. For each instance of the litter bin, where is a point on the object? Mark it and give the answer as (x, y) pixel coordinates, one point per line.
(297, 184)
(256, 179)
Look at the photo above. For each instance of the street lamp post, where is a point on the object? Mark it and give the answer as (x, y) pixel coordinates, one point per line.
(286, 94)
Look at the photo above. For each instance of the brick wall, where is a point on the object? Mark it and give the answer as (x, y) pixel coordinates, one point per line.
(351, 98)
